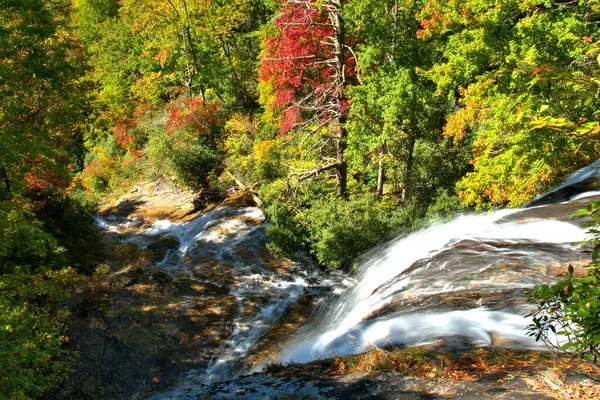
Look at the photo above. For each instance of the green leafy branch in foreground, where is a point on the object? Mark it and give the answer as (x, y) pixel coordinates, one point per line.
(568, 312)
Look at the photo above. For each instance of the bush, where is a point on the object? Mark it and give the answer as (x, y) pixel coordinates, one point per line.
(285, 233)
(196, 166)
(337, 231)
(252, 152)
(33, 354)
(23, 239)
(567, 316)
(445, 206)
(341, 230)
(72, 224)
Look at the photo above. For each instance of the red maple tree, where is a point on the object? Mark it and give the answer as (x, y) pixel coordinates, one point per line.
(309, 65)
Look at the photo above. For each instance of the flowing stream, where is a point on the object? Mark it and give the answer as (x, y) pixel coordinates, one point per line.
(224, 247)
(454, 284)
(478, 253)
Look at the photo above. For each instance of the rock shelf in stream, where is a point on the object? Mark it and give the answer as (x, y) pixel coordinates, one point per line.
(225, 247)
(223, 306)
(454, 286)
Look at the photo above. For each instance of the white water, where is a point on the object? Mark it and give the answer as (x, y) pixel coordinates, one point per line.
(341, 328)
(383, 264)
(217, 233)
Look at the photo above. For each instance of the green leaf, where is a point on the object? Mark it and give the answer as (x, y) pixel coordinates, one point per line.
(596, 253)
(579, 213)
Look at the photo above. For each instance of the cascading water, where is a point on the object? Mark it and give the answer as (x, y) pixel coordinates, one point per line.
(233, 239)
(470, 254)
(454, 284)
(459, 283)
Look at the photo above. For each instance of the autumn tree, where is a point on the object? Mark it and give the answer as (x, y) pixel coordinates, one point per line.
(305, 70)
(509, 65)
(40, 109)
(43, 108)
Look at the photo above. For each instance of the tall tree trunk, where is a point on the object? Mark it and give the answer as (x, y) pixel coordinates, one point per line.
(381, 170)
(410, 148)
(342, 167)
(5, 179)
(380, 178)
(340, 67)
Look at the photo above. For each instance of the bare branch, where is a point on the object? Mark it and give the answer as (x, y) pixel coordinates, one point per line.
(312, 173)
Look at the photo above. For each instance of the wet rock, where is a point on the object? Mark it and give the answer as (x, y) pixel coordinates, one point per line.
(560, 212)
(584, 180)
(479, 273)
(181, 295)
(159, 247)
(149, 201)
(381, 385)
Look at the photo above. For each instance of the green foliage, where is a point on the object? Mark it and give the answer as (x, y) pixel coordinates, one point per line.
(285, 232)
(110, 169)
(444, 206)
(71, 223)
(524, 76)
(62, 232)
(336, 232)
(43, 104)
(33, 355)
(567, 311)
(197, 165)
(340, 231)
(23, 239)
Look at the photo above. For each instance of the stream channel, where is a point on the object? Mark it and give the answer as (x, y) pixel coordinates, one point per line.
(458, 284)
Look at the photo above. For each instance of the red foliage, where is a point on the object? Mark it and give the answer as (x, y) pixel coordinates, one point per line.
(122, 130)
(297, 61)
(196, 116)
(122, 135)
(43, 177)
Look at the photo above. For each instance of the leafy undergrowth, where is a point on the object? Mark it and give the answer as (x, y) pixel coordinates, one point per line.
(561, 377)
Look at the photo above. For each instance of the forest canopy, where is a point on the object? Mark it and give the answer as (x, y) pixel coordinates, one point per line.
(351, 119)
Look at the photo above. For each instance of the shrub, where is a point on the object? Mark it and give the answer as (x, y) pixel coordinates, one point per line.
(341, 230)
(252, 151)
(285, 233)
(72, 224)
(196, 166)
(567, 315)
(445, 206)
(23, 240)
(33, 355)
(337, 231)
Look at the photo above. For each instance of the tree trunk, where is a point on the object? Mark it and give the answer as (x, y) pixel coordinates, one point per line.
(4, 177)
(380, 178)
(340, 67)
(410, 147)
(257, 200)
(381, 169)
(342, 167)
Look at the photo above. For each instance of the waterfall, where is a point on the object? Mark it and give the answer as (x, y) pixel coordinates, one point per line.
(234, 239)
(342, 328)
(454, 284)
